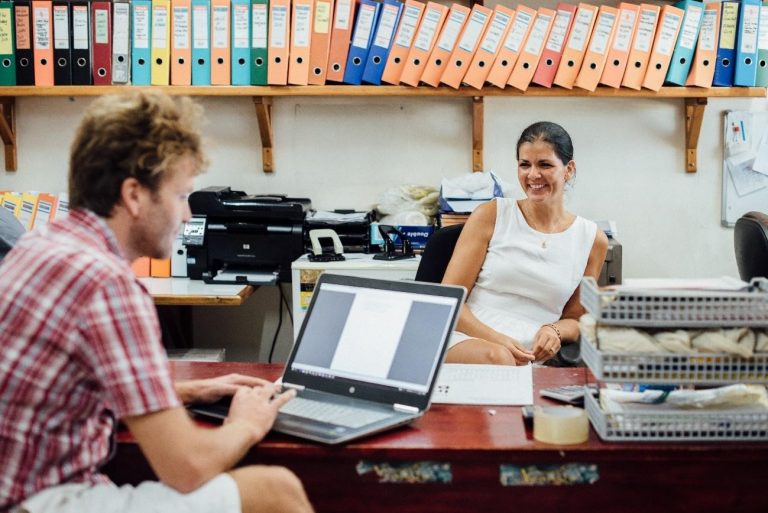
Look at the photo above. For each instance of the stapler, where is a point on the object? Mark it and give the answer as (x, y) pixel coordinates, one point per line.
(391, 249)
(320, 253)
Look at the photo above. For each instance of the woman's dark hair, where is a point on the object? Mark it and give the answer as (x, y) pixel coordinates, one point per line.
(551, 133)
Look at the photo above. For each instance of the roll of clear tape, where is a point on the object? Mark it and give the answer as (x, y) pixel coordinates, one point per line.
(560, 425)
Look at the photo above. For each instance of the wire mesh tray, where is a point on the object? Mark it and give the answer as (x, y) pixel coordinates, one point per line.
(673, 368)
(677, 308)
(685, 426)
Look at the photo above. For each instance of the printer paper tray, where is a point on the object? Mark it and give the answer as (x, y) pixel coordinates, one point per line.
(251, 277)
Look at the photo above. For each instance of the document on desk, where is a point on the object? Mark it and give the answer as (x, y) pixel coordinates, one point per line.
(484, 384)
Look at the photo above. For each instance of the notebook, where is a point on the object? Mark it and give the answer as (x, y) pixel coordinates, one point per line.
(366, 358)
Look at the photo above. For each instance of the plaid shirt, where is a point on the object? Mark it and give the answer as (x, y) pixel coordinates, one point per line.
(80, 345)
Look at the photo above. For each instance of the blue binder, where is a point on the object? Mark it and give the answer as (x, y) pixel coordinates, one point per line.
(746, 46)
(141, 47)
(365, 22)
(682, 56)
(382, 41)
(201, 43)
(241, 46)
(726, 46)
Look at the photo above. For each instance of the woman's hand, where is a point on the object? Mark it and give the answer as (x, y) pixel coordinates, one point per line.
(212, 389)
(546, 343)
(521, 355)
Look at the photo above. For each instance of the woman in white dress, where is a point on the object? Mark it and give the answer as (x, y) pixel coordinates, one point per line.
(522, 261)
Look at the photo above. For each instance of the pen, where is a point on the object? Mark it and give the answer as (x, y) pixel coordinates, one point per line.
(743, 134)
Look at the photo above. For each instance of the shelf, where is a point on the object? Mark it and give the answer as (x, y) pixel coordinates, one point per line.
(695, 104)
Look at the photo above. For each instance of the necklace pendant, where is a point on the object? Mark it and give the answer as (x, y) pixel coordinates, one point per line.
(544, 244)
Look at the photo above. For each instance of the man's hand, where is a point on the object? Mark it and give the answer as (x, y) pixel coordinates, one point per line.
(546, 343)
(257, 408)
(212, 389)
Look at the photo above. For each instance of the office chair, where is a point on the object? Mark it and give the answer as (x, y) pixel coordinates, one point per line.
(434, 261)
(10, 231)
(750, 240)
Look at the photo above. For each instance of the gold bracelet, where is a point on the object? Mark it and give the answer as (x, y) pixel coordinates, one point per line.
(557, 331)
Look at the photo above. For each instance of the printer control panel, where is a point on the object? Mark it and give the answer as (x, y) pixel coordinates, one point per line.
(194, 231)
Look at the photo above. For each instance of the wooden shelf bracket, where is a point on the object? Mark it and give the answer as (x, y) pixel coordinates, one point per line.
(8, 131)
(694, 115)
(478, 112)
(264, 116)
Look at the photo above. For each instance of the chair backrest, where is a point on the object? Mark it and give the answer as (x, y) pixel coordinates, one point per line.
(437, 254)
(750, 240)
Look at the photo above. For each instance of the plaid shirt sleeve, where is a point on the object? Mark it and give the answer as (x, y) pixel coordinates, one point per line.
(124, 350)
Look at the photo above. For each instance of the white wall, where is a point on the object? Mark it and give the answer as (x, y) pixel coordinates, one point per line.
(343, 152)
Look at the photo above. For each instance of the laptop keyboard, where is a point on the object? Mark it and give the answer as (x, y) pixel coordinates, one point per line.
(331, 413)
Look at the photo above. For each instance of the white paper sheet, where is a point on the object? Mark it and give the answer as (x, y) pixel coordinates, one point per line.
(484, 384)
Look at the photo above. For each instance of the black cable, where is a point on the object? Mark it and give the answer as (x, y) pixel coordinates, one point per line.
(279, 323)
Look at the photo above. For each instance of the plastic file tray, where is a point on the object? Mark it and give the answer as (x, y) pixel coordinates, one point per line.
(662, 308)
(673, 368)
(680, 426)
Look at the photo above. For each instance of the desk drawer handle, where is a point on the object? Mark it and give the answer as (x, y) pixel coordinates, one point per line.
(567, 474)
(416, 472)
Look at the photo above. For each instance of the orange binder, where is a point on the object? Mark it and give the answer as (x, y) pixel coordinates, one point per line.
(616, 61)
(279, 39)
(597, 51)
(526, 64)
(160, 268)
(141, 267)
(553, 49)
(573, 55)
(703, 66)
(670, 20)
(181, 42)
(341, 35)
(489, 47)
(513, 43)
(220, 43)
(430, 26)
(462, 54)
(398, 54)
(321, 42)
(42, 33)
(637, 62)
(443, 49)
(301, 34)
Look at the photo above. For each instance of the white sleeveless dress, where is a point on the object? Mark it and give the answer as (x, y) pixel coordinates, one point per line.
(527, 276)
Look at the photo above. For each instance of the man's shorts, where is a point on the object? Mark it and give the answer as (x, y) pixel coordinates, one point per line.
(219, 495)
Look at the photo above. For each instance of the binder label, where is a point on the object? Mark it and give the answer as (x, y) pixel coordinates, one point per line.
(558, 32)
(120, 37)
(645, 30)
(602, 34)
(159, 27)
(322, 17)
(6, 45)
(624, 30)
(279, 24)
(220, 26)
(343, 14)
(690, 30)
(580, 30)
(60, 27)
(471, 34)
(451, 31)
(495, 30)
(762, 35)
(749, 28)
(386, 26)
(427, 30)
(23, 40)
(140, 26)
(259, 19)
(707, 35)
(181, 27)
(42, 28)
(302, 23)
(240, 26)
(101, 26)
(408, 26)
(200, 27)
(79, 27)
(667, 32)
(517, 32)
(539, 31)
(728, 26)
(364, 26)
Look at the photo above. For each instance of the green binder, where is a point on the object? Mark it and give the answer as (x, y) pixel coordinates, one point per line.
(259, 41)
(761, 79)
(7, 45)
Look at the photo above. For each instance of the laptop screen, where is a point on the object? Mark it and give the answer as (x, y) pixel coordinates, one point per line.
(392, 338)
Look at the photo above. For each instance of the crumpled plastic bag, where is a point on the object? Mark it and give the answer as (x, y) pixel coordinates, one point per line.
(409, 198)
(464, 193)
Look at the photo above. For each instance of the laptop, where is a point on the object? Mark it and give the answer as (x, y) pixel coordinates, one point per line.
(366, 358)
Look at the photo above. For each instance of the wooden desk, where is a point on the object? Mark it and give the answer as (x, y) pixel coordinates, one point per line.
(472, 447)
(186, 292)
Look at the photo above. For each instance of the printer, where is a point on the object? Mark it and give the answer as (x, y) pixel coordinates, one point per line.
(234, 237)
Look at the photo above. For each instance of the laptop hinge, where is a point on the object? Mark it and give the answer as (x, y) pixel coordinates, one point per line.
(404, 408)
(295, 387)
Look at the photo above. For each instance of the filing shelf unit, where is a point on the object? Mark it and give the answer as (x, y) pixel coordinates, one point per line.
(695, 104)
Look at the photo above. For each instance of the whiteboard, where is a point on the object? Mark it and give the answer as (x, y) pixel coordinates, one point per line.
(752, 192)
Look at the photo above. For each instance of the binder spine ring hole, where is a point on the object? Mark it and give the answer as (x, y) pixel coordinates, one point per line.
(481, 64)
(571, 64)
(417, 61)
(505, 63)
(6, 63)
(62, 62)
(241, 62)
(593, 66)
(278, 60)
(299, 60)
(748, 61)
(317, 71)
(638, 64)
(682, 60)
(81, 62)
(377, 60)
(220, 60)
(159, 61)
(726, 62)
(459, 64)
(762, 64)
(102, 72)
(549, 62)
(616, 62)
(356, 61)
(658, 65)
(705, 62)
(181, 60)
(336, 66)
(439, 62)
(43, 61)
(24, 62)
(526, 65)
(259, 61)
(141, 62)
(120, 58)
(397, 60)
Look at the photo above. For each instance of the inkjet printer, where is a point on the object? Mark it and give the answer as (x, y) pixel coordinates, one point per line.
(238, 238)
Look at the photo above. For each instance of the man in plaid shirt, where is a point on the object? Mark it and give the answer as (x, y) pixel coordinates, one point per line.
(81, 340)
